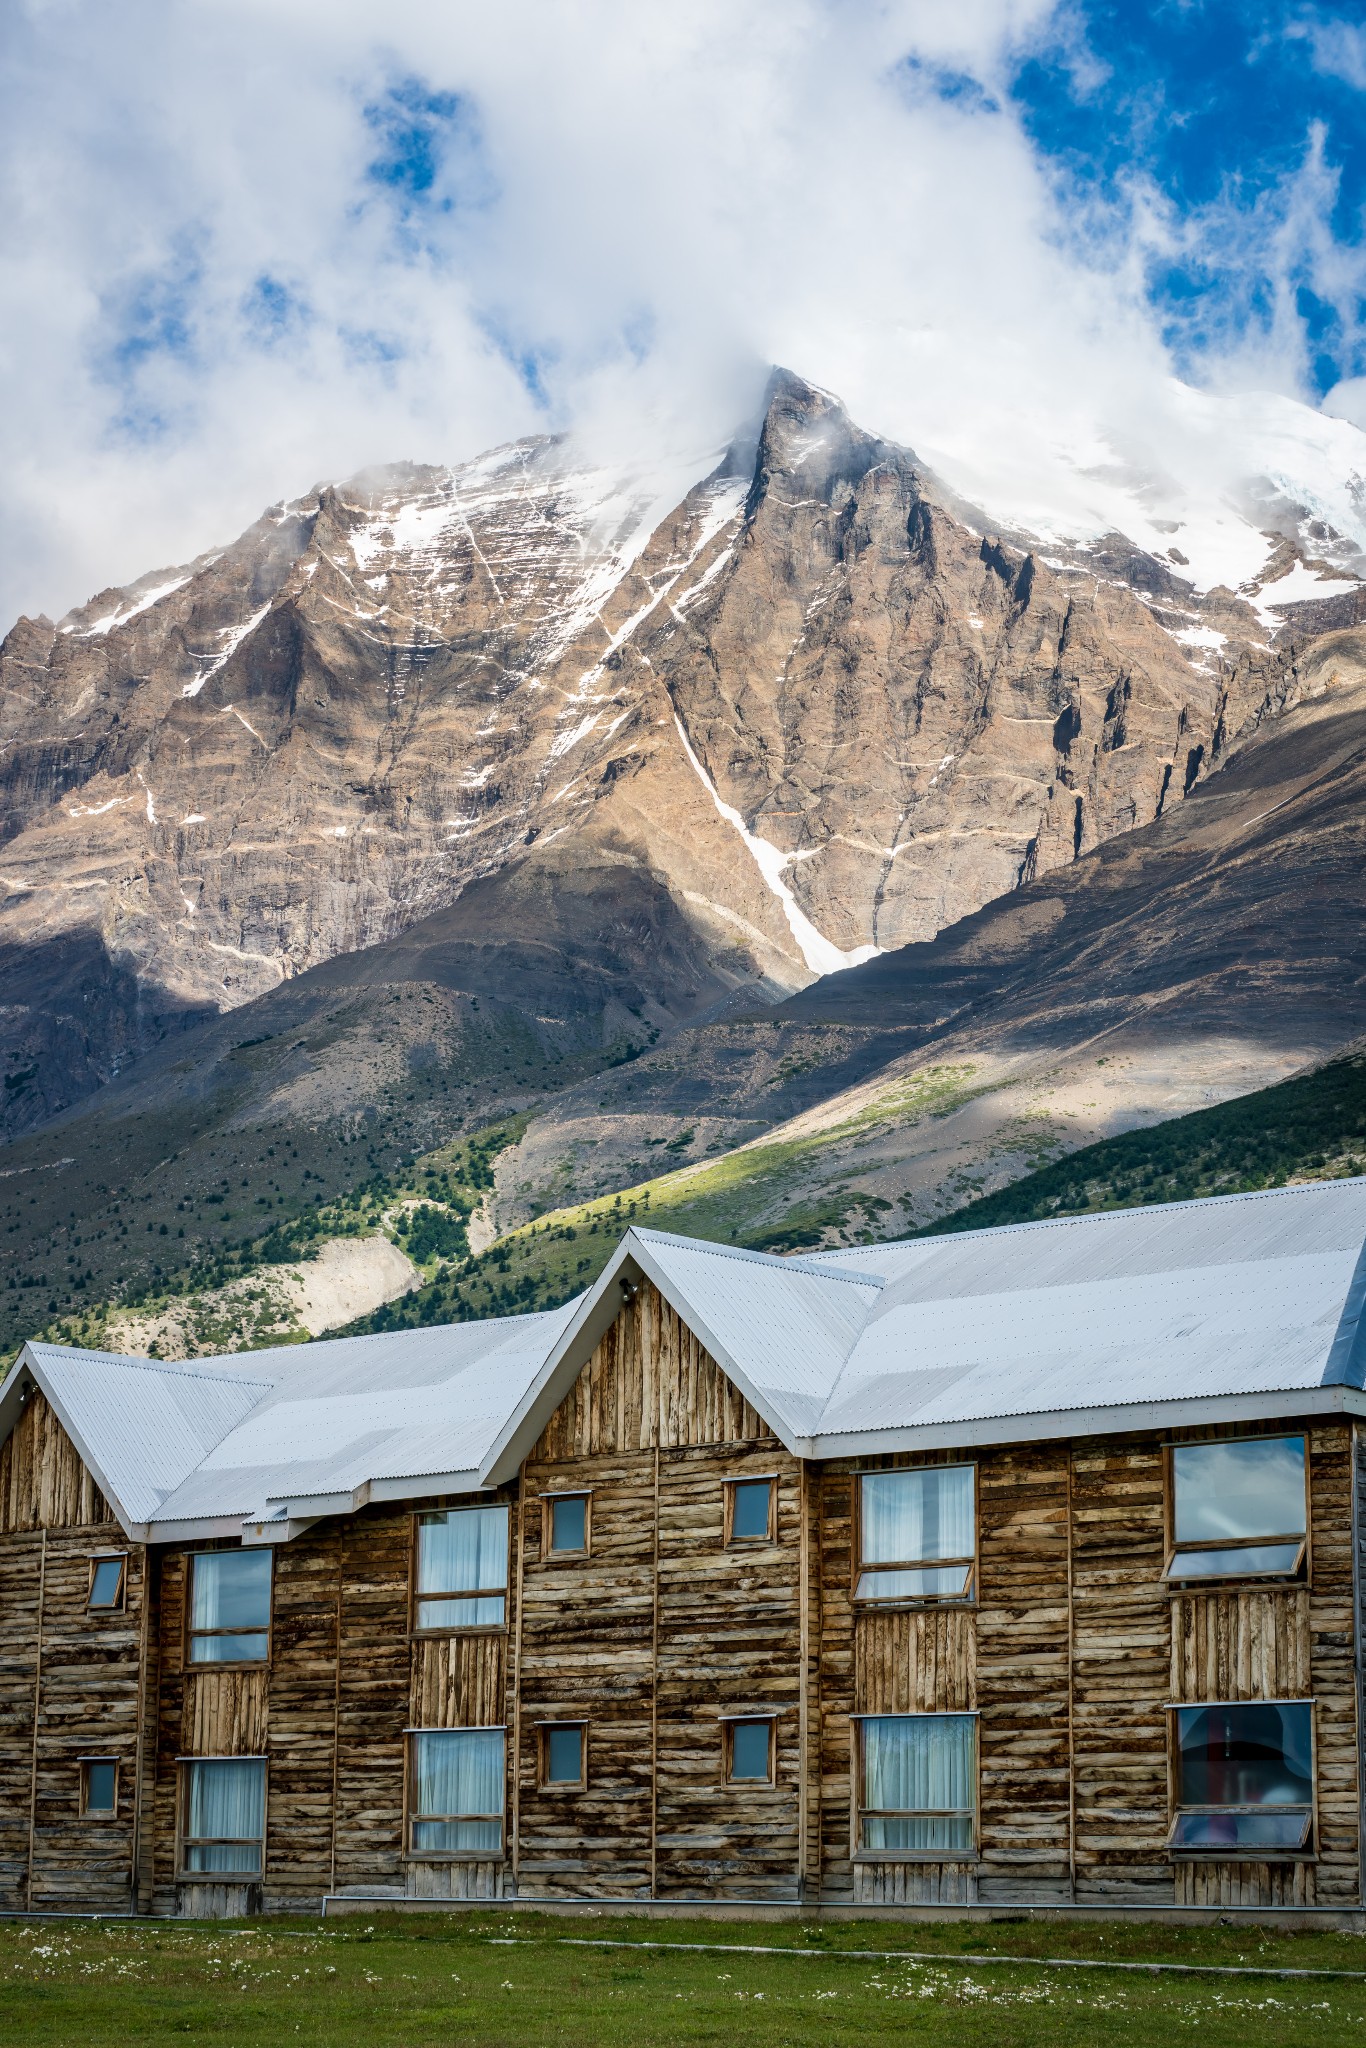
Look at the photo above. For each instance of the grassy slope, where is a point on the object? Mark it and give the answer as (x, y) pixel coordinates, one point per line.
(1311, 1127)
(407, 1983)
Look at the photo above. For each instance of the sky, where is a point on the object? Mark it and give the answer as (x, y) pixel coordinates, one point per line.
(246, 245)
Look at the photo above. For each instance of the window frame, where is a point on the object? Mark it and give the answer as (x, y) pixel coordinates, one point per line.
(85, 1809)
(193, 1634)
(1224, 1852)
(1172, 1552)
(859, 1812)
(584, 1493)
(729, 1540)
(866, 1602)
(119, 1604)
(411, 1816)
(729, 1724)
(184, 1841)
(458, 1628)
(544, 1781)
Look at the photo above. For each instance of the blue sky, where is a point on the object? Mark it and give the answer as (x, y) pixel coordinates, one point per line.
(261, 242)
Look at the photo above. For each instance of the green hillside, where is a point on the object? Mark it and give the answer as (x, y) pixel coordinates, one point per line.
(1310, 1128)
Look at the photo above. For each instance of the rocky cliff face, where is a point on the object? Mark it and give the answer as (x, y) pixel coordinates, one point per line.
(816, 709)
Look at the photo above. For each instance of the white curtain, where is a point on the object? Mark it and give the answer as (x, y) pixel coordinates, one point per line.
(458, 1772)
(920, 1766)
(906, 1516)
(231, 1589)
(463, 1552)
(225, 1801)
(1252, 1488)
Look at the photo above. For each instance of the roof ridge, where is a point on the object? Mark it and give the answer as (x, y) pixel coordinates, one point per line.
(746, 1255)
(178, 1368)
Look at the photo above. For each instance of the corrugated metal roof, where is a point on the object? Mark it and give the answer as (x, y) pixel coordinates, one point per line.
(1132, 1313)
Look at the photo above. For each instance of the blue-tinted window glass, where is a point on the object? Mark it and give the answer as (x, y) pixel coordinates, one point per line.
(106, 1582)
(563, 1756)
(750, 1511)
(749, 1749)
(569, 1523)
(101, 1781)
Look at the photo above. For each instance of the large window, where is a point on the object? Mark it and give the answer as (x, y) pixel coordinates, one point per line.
(1238, 1509)
(1244, 1777)
(462, 1568)
(917, 1534)
(918, 1784)
(456, 1792)
(230, 1607)
(223, 1816)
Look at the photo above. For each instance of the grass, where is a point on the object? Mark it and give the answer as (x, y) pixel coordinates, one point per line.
(1312, 1127)
(503, 1979)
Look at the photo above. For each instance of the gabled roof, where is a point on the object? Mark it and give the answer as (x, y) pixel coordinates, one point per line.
(1239, 1307)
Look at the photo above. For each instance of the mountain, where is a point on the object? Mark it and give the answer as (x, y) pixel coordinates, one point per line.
(818, 703)
(801, 804)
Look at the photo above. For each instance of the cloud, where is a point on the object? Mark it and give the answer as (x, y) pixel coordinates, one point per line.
(255, 243)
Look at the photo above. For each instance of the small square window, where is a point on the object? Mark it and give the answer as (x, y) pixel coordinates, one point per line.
(566, 1524)
(749, 1752)
(106, 1583)
(749, 1516)
(99, 1788)
(562, 1755)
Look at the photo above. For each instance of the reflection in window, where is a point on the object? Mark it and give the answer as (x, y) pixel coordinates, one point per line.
(569, 1522)
(229, 1606)
(1238, 1509)
(749, 1752)
(106, 1582)
(224, 1815)
(751, 1507)
(457, 1792)
(99, 1787)
(919, 1784)
(1244, 1777)
(462, 1568)
(919, 1527)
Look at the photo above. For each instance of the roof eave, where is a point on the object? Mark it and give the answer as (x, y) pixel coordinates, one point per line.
(1120, 1419)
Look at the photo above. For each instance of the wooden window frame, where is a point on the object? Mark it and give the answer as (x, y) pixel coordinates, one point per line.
(584, 1493)
(544, 1782)
(457, 1628)
(870, 1602)
(184, 1841)
(859, 1812)
(1254, 1853)
(729, 1723)
(729, 1540)
(192, 1635)
(411, 1818)
(119, 1603)
(97, 1813)
(1299, 1573)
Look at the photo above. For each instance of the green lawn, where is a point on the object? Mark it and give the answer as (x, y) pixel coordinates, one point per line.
(518, 1979)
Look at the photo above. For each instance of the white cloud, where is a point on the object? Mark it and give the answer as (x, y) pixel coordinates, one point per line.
(639, 208)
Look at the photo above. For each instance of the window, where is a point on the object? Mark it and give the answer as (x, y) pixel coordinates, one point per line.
(562, 1748)
(919, 1785)
(223, 1816)
(919, 1529)
(230, 1607)
(99, 1788)
(1238, 1509)
(106, 1583)
(749, 1752)
(749, 1511)
(457, 1792)
(1243, 1777)
(462, 1568)
(565, 1529)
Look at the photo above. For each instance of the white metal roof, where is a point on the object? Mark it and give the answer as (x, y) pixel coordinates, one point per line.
(1245, 1305)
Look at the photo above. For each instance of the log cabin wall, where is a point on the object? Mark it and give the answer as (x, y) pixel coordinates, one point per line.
(69, 1678)
(1070, 1656)
(659, 1632)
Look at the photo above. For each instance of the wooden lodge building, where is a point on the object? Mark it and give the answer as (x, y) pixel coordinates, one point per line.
(1014, 1566)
